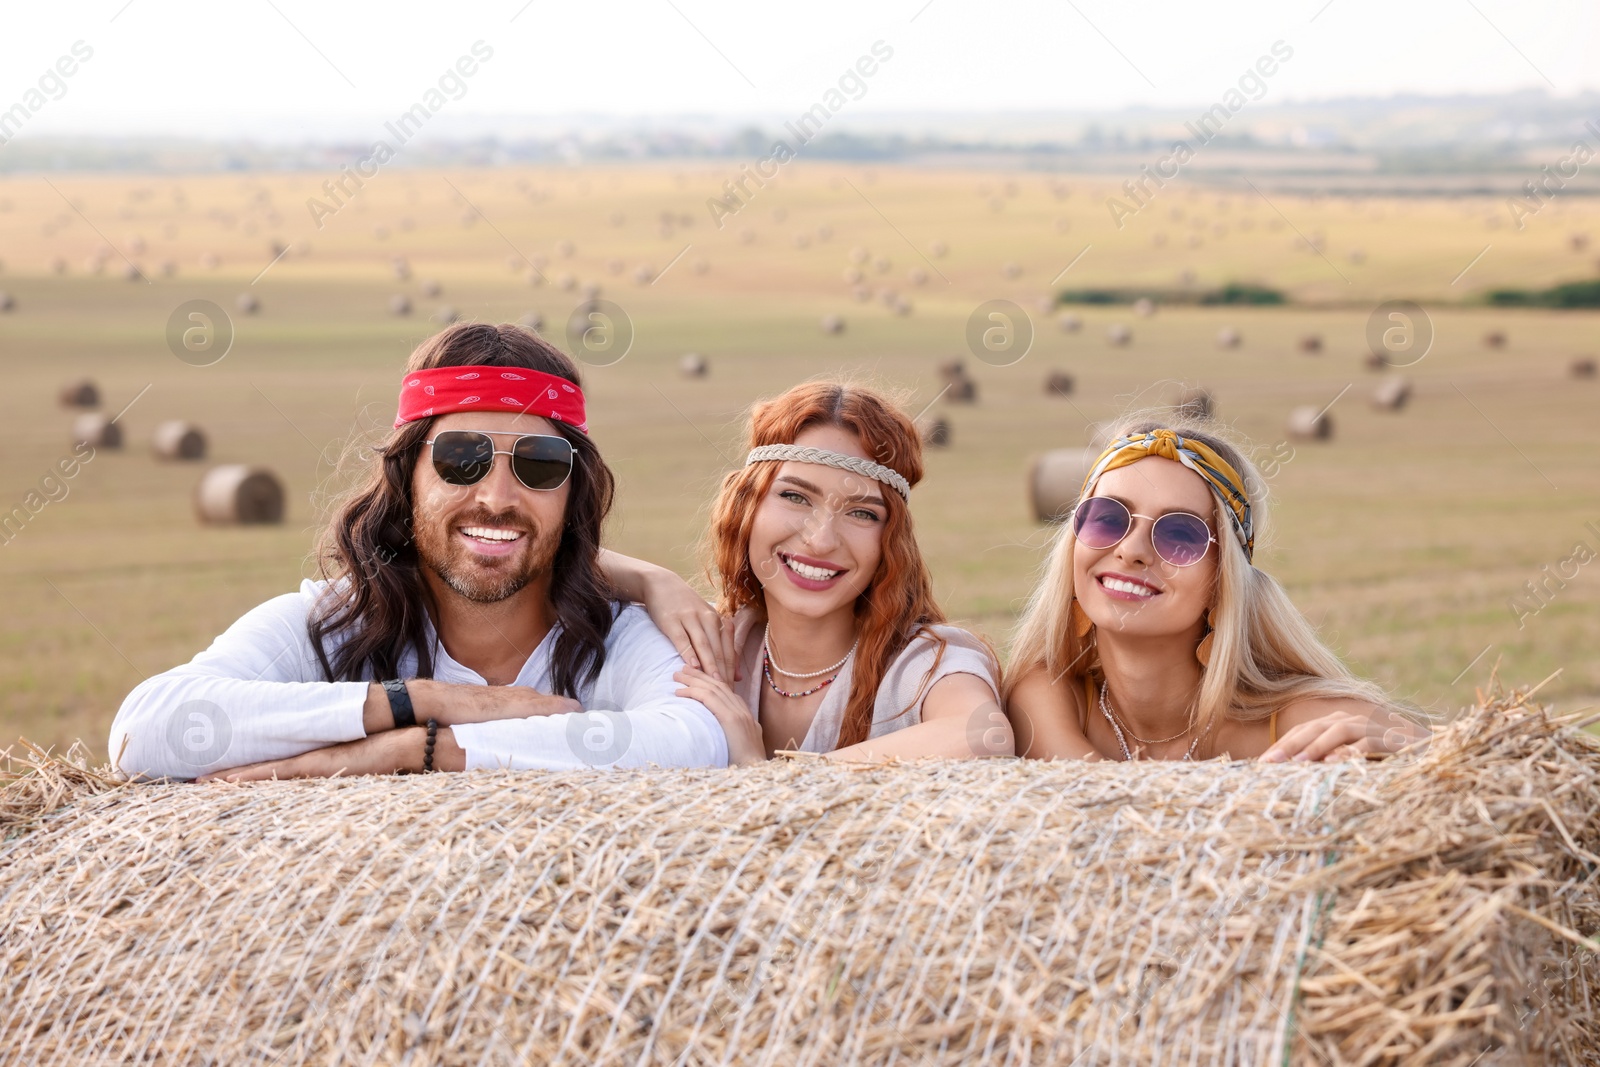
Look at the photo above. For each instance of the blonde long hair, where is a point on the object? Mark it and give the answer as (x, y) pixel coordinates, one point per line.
(1264, 654)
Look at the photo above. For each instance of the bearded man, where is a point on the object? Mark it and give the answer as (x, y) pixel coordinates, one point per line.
(463, 621)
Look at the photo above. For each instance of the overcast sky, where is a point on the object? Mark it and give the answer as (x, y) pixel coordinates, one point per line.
(274, 68)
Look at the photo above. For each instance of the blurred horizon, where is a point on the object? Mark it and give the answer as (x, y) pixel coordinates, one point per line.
(1457, 134)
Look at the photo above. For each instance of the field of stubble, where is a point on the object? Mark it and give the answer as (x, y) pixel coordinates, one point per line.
(1405, 537)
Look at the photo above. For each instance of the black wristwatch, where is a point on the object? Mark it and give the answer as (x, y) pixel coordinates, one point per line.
(400, 703)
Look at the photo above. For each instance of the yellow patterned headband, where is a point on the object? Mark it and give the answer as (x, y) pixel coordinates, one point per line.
(1198, 457)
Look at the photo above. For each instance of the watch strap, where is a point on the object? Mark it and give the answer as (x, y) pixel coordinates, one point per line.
(400, 703)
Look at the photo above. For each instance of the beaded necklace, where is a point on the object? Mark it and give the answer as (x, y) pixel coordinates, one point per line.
(766, 644)
(766, 669)
(1105, 709)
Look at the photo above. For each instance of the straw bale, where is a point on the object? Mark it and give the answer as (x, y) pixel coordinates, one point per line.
(1438, 908)
(1058, 383)
(96, 428)
(1391, 394)
(176, 439)
(1055, 479)
(82, 393)
(239, 493)
(1310, 423)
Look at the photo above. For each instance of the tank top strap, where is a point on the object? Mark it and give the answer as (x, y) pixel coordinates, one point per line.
(1273, 727)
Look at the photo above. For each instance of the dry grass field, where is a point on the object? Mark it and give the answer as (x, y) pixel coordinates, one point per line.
(1405, 536)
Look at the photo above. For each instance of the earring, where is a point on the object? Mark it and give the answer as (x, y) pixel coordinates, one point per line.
(1082, 625)
(1202, 651)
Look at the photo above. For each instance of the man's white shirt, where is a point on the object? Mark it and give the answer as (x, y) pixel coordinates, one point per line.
(257, 694)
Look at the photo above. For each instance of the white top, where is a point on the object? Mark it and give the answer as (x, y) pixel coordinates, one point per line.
(257, 694)
(900, 695)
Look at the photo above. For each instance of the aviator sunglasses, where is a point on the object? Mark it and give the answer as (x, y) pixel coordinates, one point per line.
(540, 461)
(1179, 537)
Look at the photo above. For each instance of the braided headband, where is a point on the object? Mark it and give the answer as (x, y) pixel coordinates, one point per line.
(802, 454)
(1198, 457)
(443, 390)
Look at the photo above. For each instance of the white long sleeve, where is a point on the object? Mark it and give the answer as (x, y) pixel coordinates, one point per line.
(256, 694)
(634, 717)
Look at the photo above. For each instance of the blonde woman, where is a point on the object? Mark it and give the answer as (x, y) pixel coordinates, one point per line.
(1153, 635)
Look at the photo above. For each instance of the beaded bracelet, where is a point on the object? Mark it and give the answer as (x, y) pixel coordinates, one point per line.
(427, 749)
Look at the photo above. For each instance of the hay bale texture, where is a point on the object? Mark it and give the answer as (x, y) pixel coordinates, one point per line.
(1432, 909)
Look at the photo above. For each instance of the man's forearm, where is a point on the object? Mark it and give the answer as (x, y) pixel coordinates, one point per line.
(453, 705)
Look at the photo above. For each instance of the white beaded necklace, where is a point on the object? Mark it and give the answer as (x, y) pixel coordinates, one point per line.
(1105, 709)
(766, 641)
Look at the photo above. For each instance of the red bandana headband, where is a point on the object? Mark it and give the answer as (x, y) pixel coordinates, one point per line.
(443, 390)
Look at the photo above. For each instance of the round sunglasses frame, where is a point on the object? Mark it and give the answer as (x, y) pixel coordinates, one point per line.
(1211, 535)
(487, 467)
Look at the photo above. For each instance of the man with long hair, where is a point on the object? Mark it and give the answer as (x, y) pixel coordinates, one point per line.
(463, 621)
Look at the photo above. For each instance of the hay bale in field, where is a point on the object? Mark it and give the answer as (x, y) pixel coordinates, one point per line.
(1119, 334)
(693, 365)
(238, 493)
(446, 315)
(1196, 404)
(1584, 367)
(399, 304)
(1494, 339)
(1070, 322)
(1311, 344)
(959, 386)
(1055, 479)
(1310, 423)
(532, 320)
(402, 269)
(1391, 394)
(430, 288)
(1058, 383)
(832, 324)
(247, 303)
(937, 433)
(1144, 307)
(943, 912)
(176, 439)
(82, 393)
(96, 429)
(1228, 337)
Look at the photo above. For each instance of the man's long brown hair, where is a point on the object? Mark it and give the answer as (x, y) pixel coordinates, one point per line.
(899, 599)
(375, 591)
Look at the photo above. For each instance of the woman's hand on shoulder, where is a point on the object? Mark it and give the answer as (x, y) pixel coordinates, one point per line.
(702, 637)
(1334, 728)
(1045, 718)
(745, 743)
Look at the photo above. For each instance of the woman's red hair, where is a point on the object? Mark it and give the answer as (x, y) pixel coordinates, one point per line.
(899, 598)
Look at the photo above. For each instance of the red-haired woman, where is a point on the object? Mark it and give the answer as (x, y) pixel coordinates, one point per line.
(827, 637)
